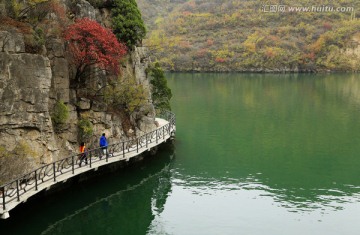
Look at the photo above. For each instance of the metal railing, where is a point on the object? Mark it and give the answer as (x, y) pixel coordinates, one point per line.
(13, 190)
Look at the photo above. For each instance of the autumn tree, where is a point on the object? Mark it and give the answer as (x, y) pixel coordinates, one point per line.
(125, 93)
(127, 23)
(90, 44)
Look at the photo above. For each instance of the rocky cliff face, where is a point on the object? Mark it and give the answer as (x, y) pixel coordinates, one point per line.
(25, 81)
(30, 85)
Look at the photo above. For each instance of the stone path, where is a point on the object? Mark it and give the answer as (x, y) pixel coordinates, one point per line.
(18, 191)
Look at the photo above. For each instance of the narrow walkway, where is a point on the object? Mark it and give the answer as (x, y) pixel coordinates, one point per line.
(19, 190)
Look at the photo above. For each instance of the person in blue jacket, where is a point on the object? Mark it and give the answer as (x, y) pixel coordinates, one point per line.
(103, 143)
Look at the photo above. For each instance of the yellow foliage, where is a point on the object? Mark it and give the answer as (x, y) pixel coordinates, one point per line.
(222, 53)
(168, 62)
(174, 41)
(156, 39)
(204, 15)
(125, 93)
(252, 41)
(318, 45)
(34, 2)
(16, 7)
(159, 21)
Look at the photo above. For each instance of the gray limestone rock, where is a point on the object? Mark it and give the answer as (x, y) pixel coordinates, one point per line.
(12, 42)
(85, 10)
(25, 81)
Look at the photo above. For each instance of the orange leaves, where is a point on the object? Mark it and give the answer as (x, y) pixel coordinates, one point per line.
(185, 44)
(327, 26)
(210, 42)
(220, 60)
(309, 56)
(270, 52)
(186, 13)
(318, 45)
(202, 53)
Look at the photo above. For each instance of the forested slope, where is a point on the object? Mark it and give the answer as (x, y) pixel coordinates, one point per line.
(247, 35)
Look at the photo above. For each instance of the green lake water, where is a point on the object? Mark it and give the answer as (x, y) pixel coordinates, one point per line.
(254, 154)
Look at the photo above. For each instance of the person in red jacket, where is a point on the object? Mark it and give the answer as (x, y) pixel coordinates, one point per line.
(83, 154)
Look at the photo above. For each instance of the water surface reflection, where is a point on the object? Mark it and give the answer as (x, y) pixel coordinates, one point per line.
(290, 141)
(121, 202)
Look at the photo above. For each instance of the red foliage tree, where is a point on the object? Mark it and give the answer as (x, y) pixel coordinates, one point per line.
(93, 45)
(327, 26)
(220, 60)
(202, 53)
(210, 42)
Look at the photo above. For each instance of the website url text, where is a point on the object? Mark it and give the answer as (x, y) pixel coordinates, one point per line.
(323, 8)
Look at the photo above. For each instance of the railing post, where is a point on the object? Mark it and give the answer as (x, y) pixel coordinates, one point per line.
(3, 196)
(107, 155)
(73, 165)
(156, 136)
(17, 190)
(123, 149)
(89, 155)
(137, 145)
(54, 171)
(146, 140)
(163, 132)
(36, 183)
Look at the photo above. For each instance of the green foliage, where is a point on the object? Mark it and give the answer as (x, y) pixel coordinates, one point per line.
(127, 23)
(14, 8)
(39, 37)
(85, 128)
(60, 114)
(97, 3)
(34, 2)
(161, 93)
(125, 93)
(17, 162)
(18, 9)
(34, 40)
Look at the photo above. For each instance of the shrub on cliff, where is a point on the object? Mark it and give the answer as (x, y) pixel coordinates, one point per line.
(85, 128)
(125, 94)
(60, 115)
(161, 93)
(127, 23)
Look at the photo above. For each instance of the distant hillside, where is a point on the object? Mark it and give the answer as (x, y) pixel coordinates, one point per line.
(246, 35)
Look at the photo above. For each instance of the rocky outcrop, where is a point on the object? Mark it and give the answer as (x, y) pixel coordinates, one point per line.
(140, 62)
(85, 9)
(12, 41)
(145, 117)
(31, 84)
(25, 81)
